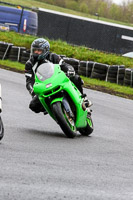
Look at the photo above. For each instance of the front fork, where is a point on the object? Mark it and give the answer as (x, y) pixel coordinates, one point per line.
(66, 105)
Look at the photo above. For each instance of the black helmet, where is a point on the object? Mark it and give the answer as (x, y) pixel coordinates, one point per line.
(42, 45)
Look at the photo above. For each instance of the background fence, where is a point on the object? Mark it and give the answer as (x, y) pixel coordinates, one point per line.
(76, 30)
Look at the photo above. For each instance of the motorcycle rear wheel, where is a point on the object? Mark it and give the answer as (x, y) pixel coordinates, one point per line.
(1, 129)
(89, 128)
(66, 125)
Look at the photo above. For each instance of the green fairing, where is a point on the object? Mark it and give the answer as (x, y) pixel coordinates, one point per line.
(54, 83)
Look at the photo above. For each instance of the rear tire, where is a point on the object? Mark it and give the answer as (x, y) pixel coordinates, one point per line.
(1, 129)
(89, 128)
(68, 127)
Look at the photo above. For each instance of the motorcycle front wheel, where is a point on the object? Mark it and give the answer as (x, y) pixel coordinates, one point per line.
(66, 123)
(1, 129)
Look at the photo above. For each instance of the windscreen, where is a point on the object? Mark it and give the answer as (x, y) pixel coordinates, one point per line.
(45, 71)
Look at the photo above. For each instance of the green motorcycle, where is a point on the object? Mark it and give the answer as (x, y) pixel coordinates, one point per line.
(62, 100)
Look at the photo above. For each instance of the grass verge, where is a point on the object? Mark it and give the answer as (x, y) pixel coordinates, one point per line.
(63, 48)
(107, 87)
(13, 66)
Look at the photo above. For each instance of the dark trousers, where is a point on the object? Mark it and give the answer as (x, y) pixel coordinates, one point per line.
(35, 105)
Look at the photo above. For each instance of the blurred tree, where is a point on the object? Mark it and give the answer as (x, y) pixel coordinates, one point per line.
(72, 4)
(83, 8)
(104, 8)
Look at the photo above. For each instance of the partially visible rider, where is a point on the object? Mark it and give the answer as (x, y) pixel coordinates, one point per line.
(1, 123)
(40, 53)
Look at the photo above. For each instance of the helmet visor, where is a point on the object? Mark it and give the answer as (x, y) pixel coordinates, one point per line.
(39, 51)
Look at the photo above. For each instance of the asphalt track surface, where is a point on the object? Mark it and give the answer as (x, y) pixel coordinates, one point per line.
(38, 162)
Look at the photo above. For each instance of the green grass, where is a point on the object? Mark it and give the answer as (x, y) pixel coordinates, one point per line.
(112, 88)
(15, 66)
(62, 48)
(17, 39)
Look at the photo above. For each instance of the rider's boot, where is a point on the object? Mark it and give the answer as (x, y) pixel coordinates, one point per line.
(45, 112)
(87, 102)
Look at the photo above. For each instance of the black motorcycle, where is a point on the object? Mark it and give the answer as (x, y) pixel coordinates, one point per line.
(1, 123)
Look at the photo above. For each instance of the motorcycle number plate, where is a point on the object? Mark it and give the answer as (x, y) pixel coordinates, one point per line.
(48, 85)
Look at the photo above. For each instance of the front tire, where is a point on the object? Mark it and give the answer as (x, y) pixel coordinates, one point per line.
(66, 125)
(1, 129)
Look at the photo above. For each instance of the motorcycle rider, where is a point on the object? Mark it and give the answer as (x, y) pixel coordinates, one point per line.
(40, 53)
